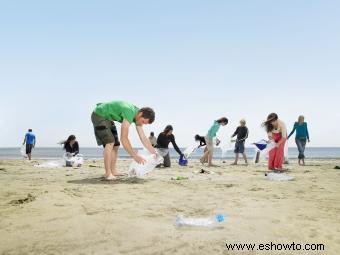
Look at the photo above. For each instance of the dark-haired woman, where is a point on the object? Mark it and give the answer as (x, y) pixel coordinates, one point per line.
(163, 141)
(277, 133)
(209, 139)
(71, 146)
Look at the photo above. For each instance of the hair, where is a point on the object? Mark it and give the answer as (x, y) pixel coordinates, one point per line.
(148, 113)
(197, 137)
(68, 140)
(268, 123)
(243, 122)
(301, 117)
(152, 134)
(222, 120)
(30, 130)
(167, 129)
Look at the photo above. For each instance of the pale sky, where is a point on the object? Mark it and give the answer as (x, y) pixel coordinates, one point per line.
(192, 61)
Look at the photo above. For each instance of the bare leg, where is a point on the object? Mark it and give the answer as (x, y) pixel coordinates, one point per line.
(303, 161)
(29, 155)
(245, 158)
(300, 162)
(108, 160)
(114, 161)
(205, 156)
(210, 159)
(236, 159)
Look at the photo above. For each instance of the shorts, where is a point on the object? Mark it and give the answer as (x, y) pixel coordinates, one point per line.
(105, 130)
(29, 148)
(239, 147)
(210, 144)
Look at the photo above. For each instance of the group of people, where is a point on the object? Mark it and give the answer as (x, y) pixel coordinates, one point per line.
(106, 114)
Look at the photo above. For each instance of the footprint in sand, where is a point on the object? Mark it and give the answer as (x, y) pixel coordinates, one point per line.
(25, 200)
(256, 189)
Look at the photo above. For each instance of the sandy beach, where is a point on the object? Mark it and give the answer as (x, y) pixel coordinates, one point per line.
(72, 211)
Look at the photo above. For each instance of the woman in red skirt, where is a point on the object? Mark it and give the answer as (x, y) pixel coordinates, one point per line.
(277, 132)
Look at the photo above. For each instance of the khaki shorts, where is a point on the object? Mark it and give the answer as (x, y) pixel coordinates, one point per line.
(104, 130)
(210, 144)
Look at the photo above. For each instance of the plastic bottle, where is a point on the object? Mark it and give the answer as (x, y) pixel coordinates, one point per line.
(210, 222)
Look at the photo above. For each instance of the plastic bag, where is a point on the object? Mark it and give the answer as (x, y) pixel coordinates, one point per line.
(190, 150)
(152, 161)
(23, 151)
(225, 146)
(279, 177)
(73, 161)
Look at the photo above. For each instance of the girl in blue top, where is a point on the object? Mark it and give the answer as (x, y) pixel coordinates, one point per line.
(209, 139)
(301, 137)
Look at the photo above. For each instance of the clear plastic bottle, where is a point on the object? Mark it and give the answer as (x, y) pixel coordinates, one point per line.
(210, 222)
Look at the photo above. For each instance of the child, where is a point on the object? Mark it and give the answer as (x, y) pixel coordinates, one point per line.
(242, 135)
(277, 132)
(209, 139)
(202, 142)
(103, 118)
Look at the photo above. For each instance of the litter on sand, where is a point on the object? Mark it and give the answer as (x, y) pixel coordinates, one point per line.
(278, 177)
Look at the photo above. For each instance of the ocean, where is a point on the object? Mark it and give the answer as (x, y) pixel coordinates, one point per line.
(97, 152)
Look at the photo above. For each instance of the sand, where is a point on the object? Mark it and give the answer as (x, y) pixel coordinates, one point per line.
(72, 211)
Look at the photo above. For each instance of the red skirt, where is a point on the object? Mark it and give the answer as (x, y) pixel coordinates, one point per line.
(276, 155)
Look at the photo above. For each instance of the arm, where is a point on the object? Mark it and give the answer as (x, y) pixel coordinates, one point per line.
(34, 142)
(24, 141)
(283, 134)
(76, 148)
(145, 141)
(124, 137)
(235, 133)
(307, 133)
(292, 131)
(172, 139)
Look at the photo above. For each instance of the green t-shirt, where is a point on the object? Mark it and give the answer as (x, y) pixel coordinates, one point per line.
(117, 111)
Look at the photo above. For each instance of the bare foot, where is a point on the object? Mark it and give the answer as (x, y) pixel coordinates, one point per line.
(110, 177)
(118, 173)
(233, 164)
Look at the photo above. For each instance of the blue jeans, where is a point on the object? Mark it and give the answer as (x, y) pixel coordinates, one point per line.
(301, 144)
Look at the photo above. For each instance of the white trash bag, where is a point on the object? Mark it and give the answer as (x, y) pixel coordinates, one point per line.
(225, 146)
(73, 161)
(152, 161)
(190, 150)
(50, 164)
(23, 151)
(279, 177)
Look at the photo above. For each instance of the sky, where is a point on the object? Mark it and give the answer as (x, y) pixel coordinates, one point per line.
(192, 61)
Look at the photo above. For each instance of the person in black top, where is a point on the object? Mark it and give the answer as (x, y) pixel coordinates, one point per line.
(202, 141)
(163, 141)
(242, 135)
(71, 146)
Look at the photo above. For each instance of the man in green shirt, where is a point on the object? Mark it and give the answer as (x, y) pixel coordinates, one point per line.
(103, 118)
